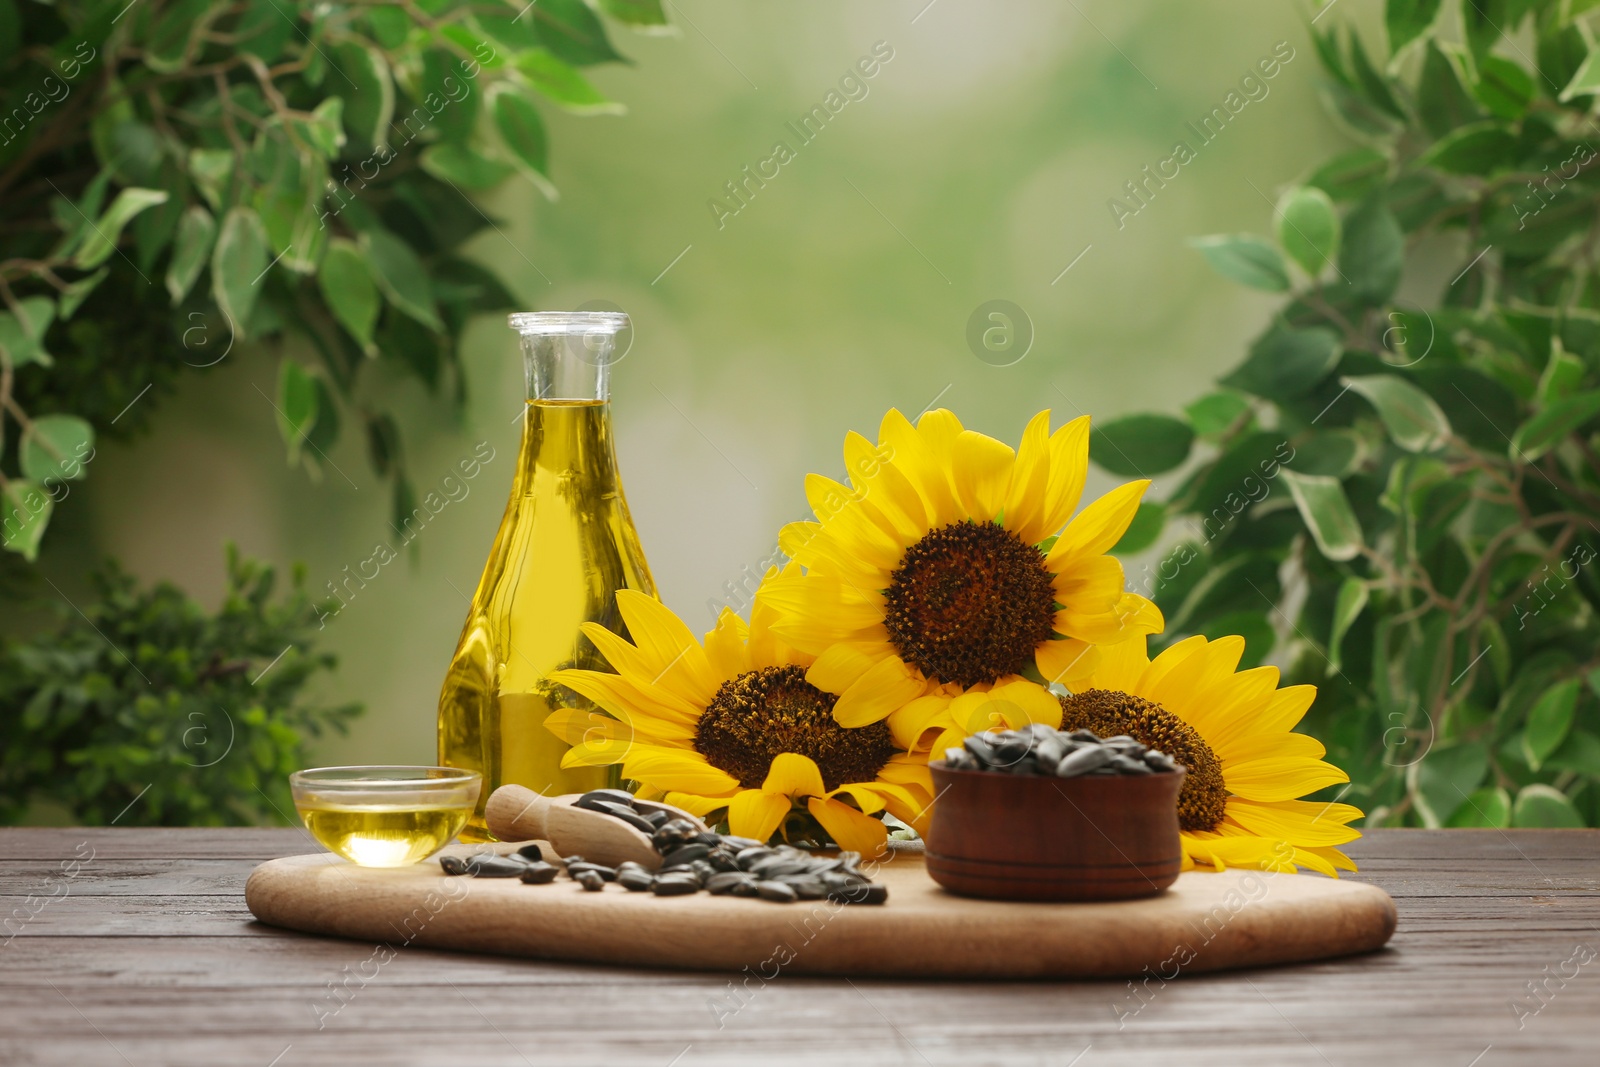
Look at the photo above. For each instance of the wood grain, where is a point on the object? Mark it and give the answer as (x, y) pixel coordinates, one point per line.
(109, 975)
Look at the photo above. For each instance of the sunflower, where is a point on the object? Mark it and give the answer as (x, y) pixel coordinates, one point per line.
(731, 725)
(1232, 730)
(940, 570)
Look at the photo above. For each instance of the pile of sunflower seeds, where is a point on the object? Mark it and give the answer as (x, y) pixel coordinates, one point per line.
(692, 859)
(1045, 751)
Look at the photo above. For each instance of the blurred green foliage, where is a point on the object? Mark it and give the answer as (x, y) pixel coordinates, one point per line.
(179, 176)
(147, 707)
(1401, 499)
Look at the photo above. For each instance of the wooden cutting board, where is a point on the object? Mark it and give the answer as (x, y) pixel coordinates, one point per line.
(1207, 921)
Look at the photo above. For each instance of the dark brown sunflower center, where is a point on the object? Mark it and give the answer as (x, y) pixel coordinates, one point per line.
(1204, 796)
(969, 603)
(763, 713)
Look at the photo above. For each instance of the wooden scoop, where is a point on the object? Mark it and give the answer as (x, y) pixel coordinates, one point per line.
(516, 813)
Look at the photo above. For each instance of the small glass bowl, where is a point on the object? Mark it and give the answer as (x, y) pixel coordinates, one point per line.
(385, 816)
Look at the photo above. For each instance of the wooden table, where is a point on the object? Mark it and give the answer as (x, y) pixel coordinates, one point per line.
(145, 954)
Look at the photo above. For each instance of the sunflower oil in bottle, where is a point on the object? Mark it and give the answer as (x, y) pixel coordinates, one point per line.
(565, 546)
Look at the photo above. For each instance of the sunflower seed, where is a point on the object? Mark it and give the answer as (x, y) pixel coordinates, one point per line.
(777, 892)
(980, 750)
(684, 855)
(607, 796)
(672, 833)
(739, 844)
(1084, 735)
(1082, 762)
(635, 879)
(494, 867)
(1129, 765)
(540, 873)
(608, 874)
(864, 893)
(1159, 761)
(453, 864)
(675, 887)
(727, 881)
(531, 853)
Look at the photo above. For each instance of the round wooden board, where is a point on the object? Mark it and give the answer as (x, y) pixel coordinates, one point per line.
(1208, 921)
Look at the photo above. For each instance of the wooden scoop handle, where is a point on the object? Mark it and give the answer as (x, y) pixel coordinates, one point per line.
(517, 813)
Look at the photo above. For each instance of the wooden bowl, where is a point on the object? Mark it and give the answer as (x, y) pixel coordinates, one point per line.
(1027, 837)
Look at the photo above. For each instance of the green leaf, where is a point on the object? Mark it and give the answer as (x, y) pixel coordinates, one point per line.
(324, 130)
(1353, 175)
(1406, 20)
(1373, 253)
(1351, 602)
(401, 276)
(1549, 721)
(1372, 84)
(102, 238)
(1546, 429)
(1478, 149)
(1443, 103)
(298, 392)
(1442, 780)
(1489, 806)
(196, 231)
(1412, 418)
(1308, 229)
(1503, 87)
(563, 84)
(1579, 753)
(24, 513)
(1331, 452)
(643, 15)
(572, 32)
(1326, 511)
(55, 447)
(22, 334)
(73, 296)
(459, 165)
(1543, 806)
(1587, 80)
(1140, 445)
(1284, 364)
(1246, 259)
(1253, 626)
(1215, 413)
(369, 108)
(1144, 530)
(173, 39)
(347, 286)
(455, 112)
(1563, 373)
(522, 130)
(238, 262)
(211, 169)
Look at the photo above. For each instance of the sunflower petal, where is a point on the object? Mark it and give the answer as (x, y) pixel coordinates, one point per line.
(1090, 586)
(667, 645)
(1132, 617)
(1069, 466)
(725, 646)
(1025, 498)
(1280, 777)
(885, 486)
(1099, 526)
(815, 611)
(843, 664)
(1298, 822)
(677, 770)
(598, 753)
(757, 814)
(1070, 661)
(846, 514)
(981, 469)
(939, 429)
(1121, 666)
(693, 803)
(852, 830)
(908, 724)
(886, 687)
(912, 456)
(794, 775)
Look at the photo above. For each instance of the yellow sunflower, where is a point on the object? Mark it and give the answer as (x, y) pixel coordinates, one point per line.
(1233, 730)
(937, 570)
(732, 725)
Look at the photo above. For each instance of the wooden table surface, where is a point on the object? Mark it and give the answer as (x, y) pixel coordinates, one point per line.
(143, 953)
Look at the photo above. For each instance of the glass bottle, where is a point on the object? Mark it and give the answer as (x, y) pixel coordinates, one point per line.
(565, 546)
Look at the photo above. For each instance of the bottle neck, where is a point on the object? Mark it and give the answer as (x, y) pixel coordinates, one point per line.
(572, 365)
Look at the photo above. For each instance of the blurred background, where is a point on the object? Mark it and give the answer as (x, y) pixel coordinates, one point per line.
(978, 166)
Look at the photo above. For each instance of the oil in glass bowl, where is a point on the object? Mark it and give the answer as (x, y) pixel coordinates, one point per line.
(385, 816)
